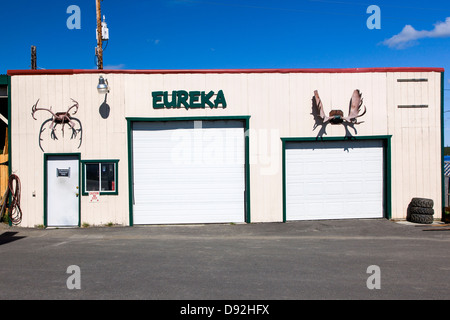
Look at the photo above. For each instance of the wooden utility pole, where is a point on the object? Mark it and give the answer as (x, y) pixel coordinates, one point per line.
(99, 50)
(33, 58)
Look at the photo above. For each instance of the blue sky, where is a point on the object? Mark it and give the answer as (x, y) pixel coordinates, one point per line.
(225, 34)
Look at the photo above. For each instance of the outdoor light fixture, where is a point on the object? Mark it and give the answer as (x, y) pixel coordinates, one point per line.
(102, 86)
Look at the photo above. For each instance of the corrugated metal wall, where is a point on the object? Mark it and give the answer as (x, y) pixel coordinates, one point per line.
(280, 105)
(416, 139)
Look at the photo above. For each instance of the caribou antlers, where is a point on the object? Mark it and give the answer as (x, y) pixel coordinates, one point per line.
(59, 118)
(336, 116)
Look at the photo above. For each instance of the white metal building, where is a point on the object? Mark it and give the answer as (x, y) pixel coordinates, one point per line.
(222, 146)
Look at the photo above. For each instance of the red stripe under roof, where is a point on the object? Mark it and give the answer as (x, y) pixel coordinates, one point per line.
(219, 71)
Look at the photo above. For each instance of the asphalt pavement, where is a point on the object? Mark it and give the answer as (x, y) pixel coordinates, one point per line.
(330, 259)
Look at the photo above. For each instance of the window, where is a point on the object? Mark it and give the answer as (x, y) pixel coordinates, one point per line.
(100, 175)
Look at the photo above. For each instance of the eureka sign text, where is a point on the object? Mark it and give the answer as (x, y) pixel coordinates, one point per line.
(185, 99)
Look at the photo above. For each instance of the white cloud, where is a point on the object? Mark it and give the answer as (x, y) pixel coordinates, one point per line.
(153, 41)
(409, 36)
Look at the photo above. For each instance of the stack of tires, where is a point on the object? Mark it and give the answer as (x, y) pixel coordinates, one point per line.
(420, 210)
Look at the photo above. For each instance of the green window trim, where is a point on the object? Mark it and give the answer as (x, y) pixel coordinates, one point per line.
(84, 192)
(4, 79)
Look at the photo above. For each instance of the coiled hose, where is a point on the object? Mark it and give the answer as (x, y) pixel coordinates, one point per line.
(14, 210)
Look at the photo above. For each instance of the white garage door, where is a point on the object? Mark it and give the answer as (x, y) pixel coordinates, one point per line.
(334, 180)
(188, 172)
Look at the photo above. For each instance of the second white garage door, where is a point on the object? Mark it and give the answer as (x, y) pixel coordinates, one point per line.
(334, 179)
(188, 172)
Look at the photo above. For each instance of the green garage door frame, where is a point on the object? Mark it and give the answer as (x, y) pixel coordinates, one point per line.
(245, 119)
(386, 157)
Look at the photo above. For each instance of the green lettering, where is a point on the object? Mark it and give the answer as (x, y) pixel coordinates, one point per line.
(194, 96)
(170, 104)
(220, 100)
(191, 99)
(157, 97)
(205, 99)
(182, 99)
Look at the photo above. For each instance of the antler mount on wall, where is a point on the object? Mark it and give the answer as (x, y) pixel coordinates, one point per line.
(61, 118)
(337, 116)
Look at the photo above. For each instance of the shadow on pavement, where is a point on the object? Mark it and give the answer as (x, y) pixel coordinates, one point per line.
(8, 237)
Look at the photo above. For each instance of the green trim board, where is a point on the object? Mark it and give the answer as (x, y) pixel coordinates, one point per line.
(387, 165)
(198, 118)
(247, 169)
(46, 155)
(130, 172)
(116, 176)
(245, 119)
(4, 79)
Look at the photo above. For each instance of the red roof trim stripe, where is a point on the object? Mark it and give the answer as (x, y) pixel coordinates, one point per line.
(219, 71)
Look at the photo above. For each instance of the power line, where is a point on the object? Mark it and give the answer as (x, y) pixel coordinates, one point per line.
(216, 3)
(368, 4)
(257, 7)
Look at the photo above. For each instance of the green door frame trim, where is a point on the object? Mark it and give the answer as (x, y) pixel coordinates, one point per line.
(245, 119)
(46, 155)
(4, 79)
(387, 205)
(116, 176)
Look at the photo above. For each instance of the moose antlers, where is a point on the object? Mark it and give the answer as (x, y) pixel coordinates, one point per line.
(336, 116)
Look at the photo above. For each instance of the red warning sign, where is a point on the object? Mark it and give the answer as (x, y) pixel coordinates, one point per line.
(94, 196)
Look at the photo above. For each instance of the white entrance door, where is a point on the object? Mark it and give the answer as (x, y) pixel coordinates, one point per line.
(63, 191)
(334, 180)
(188, 172)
